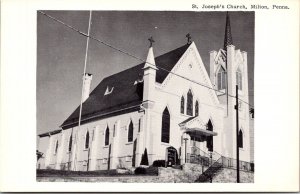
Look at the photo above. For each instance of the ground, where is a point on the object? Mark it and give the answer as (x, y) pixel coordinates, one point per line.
(188, 173)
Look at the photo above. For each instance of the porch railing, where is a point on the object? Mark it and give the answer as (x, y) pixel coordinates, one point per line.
(198, 156)
(232, 163)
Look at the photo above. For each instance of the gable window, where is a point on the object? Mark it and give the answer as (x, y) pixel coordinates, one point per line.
(165, 126)
(182, 105)
(130, 132)
(221, 79)
(209, 140)
(239, 79)
(196, 108)
(106, 141)
(87, 140)
(139, 80)
(70, 143)
(240, 139)
(56, 147)
(108, 90)
(189, 108)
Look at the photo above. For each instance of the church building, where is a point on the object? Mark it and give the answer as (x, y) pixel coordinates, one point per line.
(168, 107)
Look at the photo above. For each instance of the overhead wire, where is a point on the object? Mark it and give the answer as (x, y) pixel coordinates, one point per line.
(131, 55)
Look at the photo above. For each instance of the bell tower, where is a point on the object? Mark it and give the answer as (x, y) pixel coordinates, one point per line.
(228, 68)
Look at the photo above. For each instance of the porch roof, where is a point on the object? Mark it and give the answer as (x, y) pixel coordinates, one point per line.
(200, 132)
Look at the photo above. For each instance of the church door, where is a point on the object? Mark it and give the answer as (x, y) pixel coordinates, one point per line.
(172, 156)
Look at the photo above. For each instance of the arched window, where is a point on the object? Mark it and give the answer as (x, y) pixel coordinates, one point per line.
(182, 105)
(189, 108)
(165, 126)
(196, 108)
(139, 125)
(239, 79)
(87, 140)
(130, 132)
(56, 147)
(221, 79)
(114, 131)
(70, 143)
(240, 139)
(210, 140)
(209, 125)
(106, 141)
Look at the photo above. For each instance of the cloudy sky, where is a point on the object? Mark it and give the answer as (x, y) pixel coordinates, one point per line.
(61, 51)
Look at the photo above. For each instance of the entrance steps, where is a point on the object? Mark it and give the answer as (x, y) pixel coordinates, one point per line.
(220, 168)
(210, 172)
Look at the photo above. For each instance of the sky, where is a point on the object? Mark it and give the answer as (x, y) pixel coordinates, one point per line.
(61, 51)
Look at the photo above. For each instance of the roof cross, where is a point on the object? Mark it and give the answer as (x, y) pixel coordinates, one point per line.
(151, 41)
(189, 38)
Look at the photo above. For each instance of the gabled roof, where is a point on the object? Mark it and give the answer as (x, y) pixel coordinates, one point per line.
(196, 129)
(187, 120)
(125, 94)
(168, 61)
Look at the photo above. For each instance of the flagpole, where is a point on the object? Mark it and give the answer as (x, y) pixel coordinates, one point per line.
(82, 90)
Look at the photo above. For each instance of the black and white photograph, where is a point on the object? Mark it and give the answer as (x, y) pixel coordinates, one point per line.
(145, 96)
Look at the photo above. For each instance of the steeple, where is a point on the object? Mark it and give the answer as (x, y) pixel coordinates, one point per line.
(150, 61)
(228, 37)
(149, 77)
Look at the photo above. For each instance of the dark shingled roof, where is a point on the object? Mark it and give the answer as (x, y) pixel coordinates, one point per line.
(125, 94)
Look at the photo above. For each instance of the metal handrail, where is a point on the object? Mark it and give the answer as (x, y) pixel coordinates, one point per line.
(232, 163)
(200, 157)
(197, 151)
(211, 170)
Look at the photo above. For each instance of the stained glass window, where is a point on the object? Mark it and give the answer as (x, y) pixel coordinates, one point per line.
(239, 79)
(87, 140)
(210, 140)
(196, 108)
(70, 143)
(165, 126)
(240, 139)
(182, 105)
(106, 142)
(130, 132)
(221, 79)
(189, 109)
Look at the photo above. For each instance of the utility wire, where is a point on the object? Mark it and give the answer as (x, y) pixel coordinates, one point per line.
(131, 55)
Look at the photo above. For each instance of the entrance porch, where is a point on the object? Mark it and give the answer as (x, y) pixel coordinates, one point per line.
(197, 141)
